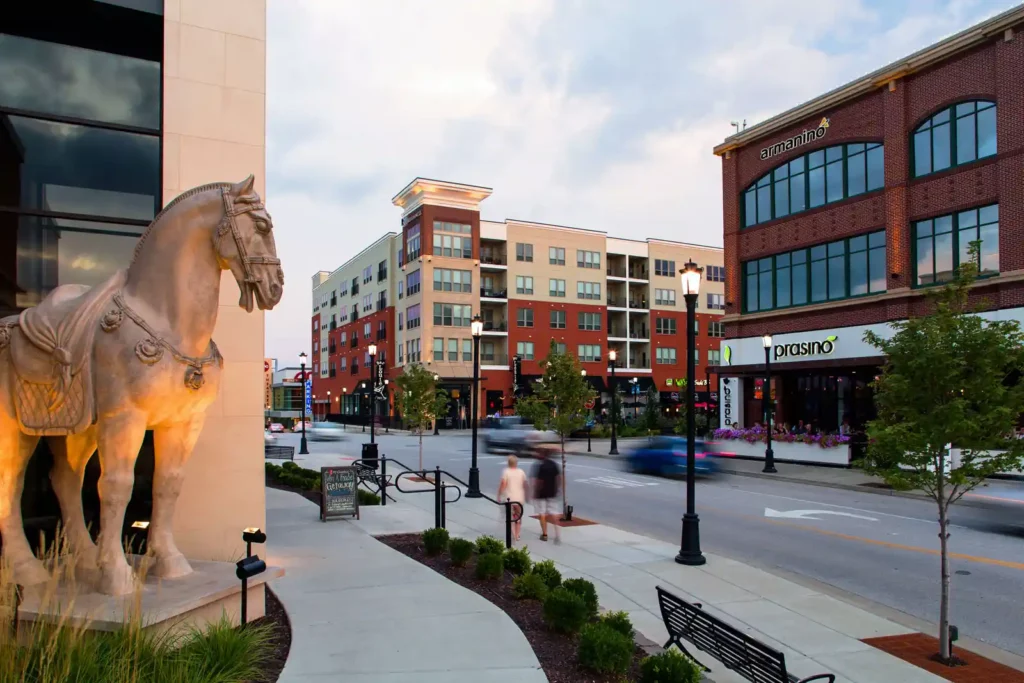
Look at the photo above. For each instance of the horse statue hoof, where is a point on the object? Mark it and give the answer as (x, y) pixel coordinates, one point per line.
(116, 580)
(171, 567)
(30, 572)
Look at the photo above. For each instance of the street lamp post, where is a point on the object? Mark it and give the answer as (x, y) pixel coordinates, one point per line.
(766, 404)
(327, 415)
(373, 388)
(612, 355)
(303, 447)
(689, 549)
(583, 373)
(437, 378)
(477, 327)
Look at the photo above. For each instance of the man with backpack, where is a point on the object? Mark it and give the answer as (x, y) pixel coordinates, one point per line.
(546, 485)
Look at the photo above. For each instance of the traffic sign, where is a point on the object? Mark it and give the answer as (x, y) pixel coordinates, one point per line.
(589, 405)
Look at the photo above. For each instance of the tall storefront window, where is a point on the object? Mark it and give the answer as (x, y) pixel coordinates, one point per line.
(941, 244)
(827, 272)
(80, 159)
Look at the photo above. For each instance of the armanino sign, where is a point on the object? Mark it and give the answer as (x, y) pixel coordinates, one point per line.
(797, 140)
(800, 349)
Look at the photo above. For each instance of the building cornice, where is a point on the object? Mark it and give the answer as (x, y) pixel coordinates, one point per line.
(423, 191)
(922, 59)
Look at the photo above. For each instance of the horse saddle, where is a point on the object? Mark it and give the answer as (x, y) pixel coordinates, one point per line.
(51, 354)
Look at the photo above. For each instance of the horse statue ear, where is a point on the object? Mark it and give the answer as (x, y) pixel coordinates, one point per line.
(245, 187)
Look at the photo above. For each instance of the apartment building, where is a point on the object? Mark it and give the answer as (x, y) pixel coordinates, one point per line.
(532, 284)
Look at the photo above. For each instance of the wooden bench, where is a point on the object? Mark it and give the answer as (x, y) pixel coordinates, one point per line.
(747, 656)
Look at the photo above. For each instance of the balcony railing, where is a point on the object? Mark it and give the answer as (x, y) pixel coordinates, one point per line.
(613, 332)
(381, 304)
(638, 303)
(355, 314)
(616, 272)
(382, 334)
(334, 301)
(639, 274)
(490, 326)
(354, 343)
(619, 302)
(333, 372)
(494, 359)
(493, 259)
(333, 349)
(382, 275)
(639, 334)
(354, 369)
(494, 293)
(355, 289)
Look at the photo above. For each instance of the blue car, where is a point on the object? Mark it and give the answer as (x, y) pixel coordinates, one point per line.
(666, 456)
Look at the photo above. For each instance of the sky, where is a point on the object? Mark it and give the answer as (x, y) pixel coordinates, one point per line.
(598, 114)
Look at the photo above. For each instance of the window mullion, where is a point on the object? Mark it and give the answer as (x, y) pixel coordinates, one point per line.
(846, 176)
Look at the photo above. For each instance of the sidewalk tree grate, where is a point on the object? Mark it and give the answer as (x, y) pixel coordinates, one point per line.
(557, 520)
(919, 649)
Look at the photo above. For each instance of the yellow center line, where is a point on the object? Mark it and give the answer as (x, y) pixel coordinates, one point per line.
(889, 544)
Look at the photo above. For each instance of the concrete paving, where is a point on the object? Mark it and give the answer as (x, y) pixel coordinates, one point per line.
(818, 633)
(362, 612)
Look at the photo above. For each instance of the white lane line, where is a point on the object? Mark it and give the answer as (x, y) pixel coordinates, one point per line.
(615, 482)
(479, 457)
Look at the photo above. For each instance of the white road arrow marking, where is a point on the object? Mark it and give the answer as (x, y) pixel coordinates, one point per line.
(810, 514)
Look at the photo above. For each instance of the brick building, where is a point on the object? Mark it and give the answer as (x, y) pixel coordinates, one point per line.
(841, 213)
(532, 284)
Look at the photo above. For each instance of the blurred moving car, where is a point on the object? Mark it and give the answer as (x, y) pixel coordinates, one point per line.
(269, 439)
(276, 428)
(298, 426)
(325, 431)
(666, 456)
(512, 435)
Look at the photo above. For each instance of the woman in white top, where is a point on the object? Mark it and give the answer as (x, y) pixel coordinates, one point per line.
(513, 487)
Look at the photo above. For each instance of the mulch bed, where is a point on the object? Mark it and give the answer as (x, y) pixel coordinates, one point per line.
(280, 636)
(920, 649)
(556, 652)
(558, 521)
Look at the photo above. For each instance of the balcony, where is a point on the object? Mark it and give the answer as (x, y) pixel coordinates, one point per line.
(494, 359)
(493, 293)
(381, 304)
(333, 373)
(334, 301)
(332, 350)
(354, 369)
(382, 334)
(355, 314)
(639, 274)
(616, 333)
(332, 327)
(639, 333)
(491, 326)
(487, 259)
(616, 272)
(355, 342)
(640, 303)
(617, 301)
(382, 275)
(355, 289)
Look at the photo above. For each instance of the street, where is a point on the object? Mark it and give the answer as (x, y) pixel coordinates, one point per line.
(877, 547)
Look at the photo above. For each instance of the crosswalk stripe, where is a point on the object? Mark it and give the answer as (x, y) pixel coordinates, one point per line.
(616, 482)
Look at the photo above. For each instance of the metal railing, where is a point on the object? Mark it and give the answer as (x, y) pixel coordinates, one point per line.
(513, 509)
(494, 293)
(491, 326)
(494, 260)
(617, 301)
(617, 272)
(494, 359)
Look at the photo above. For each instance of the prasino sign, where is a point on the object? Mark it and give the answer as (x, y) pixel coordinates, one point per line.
(797, 140)
(801, 349)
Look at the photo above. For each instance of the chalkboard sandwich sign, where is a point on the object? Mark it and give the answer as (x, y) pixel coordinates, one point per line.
(339, 488)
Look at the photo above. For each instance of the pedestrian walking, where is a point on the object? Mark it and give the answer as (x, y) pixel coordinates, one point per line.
(546, 485)
(513, 486)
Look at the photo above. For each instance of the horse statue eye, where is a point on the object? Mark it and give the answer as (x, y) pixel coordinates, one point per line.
(262, 225)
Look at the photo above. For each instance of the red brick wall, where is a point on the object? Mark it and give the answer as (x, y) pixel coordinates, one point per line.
(994, 71)
(541, 333)
(345, 378)
(677, 341)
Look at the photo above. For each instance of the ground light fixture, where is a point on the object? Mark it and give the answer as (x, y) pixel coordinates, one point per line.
(689, 548)
(612, 357)
(477, 328)
(250, 565)
(437, 378)
(303, 446)
(766, 404)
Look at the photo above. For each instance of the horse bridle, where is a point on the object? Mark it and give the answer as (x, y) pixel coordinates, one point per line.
(228, 223)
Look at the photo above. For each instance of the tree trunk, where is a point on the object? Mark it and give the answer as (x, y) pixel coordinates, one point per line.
(944, 600)
(421, 449)
(565, 501)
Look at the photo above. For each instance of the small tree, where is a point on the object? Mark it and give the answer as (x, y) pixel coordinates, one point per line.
(652, 418)
(422, 401)
(952, 380)
(558, 401)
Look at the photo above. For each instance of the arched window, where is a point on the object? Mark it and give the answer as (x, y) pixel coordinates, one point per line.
(814, 179)
(959, 134)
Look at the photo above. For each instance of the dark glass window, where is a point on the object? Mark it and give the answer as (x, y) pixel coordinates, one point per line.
(48, 78)
(826, 272)
(941, 244)
(959, 134)
(814, 179)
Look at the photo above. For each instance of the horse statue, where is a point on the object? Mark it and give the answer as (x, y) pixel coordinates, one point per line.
(98, 367)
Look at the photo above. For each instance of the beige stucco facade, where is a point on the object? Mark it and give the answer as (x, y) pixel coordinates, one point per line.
(214, 130)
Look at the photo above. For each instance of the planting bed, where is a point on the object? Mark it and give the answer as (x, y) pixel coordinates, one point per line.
(556, 652)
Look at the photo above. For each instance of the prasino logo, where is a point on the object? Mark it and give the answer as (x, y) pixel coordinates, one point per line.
(727, 354)
(800, 349)
(797, 140)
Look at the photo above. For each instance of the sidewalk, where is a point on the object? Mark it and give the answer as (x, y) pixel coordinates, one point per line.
(362, 612)
(818, 633)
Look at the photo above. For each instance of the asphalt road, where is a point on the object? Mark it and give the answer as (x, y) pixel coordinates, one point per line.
(878, 547)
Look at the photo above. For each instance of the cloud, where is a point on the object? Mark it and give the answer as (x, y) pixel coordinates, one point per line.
(593, 113)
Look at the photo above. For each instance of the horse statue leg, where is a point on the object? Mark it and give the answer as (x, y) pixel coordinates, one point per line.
(119, 437)
(173, 444)
(15, 451)
(70, 456)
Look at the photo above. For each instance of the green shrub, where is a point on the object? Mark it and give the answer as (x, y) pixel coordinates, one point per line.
(619, 621)
(368, 497)
(517, 560)
(435, 541)
(585, 590)
(489, 566)
(290, 466)
(461, 550)
(565, 611)
(489, 544)
(273, 471)
(546, 570)
(605, 650)
(670, 666)
(529, 586)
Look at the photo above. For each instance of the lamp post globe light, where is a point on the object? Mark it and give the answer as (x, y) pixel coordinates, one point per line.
(373, 388)
(327, 414)
(689, 549)
(477, 327)
(612, 357)
(303, 446)
(766, 404)
(437, 378)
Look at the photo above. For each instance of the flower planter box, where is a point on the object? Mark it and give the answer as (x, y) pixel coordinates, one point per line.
(812, 454)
